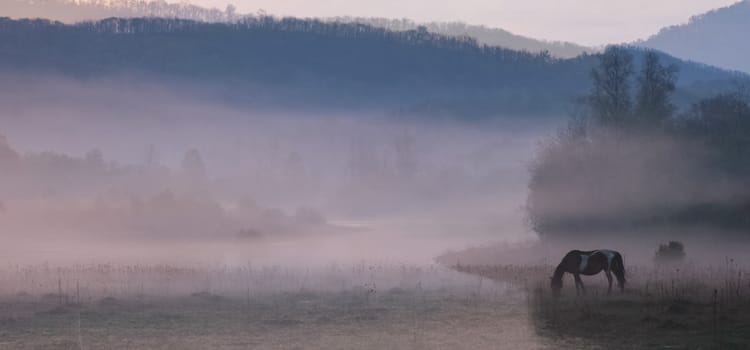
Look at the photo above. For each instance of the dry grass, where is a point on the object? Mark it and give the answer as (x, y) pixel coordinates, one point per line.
(336, 307)
(367, 307)
(679, 306)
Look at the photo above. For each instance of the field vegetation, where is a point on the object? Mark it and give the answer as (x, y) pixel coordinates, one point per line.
(334, 307)
(672, 306)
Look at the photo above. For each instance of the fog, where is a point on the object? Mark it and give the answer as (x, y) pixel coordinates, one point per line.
(284, 182)
(134, 170)
(636, 177)
(139, 171)
(129, 169)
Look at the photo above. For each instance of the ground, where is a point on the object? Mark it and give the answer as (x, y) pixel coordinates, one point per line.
(674, 307)
(368, 307)
(396, 319)
(636, 322)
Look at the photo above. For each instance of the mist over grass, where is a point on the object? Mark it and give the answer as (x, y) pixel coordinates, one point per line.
(256, 182)
(95, 161)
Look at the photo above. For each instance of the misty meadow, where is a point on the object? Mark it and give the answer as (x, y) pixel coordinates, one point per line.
(173, 175)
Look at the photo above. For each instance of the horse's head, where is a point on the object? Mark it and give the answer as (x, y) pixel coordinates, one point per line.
(556, 284)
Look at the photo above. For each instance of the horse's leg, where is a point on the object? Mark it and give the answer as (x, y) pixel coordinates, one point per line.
(609, 280)
(579, 283)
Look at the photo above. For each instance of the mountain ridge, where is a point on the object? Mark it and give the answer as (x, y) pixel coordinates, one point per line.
(70, 12)
(303, 62)
(713, 38)
(483, 34)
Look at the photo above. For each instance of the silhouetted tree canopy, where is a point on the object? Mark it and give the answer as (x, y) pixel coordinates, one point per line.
(723, 123)
(610, 98)
(657, 83)
(625, 164)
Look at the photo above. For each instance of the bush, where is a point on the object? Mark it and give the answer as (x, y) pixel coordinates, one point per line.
(674, 251)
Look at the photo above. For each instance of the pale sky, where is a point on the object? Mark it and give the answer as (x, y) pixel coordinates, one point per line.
(589, 22)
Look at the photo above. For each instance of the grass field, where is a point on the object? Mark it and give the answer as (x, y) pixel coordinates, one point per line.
(669, 307)
(371, 306)
(354, 307)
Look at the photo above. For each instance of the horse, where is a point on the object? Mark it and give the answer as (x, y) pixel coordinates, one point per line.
(589, 263)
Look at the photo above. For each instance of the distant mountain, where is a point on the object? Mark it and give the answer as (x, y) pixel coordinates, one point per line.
(299, 63)
(484, 35)
(718, 37)
(71, 11)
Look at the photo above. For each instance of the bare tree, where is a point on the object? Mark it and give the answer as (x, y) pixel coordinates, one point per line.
(656, 85)
(610, 99)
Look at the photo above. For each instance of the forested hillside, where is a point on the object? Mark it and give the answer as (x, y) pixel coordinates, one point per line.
(483, 34)
(310, 63)
(69, 11)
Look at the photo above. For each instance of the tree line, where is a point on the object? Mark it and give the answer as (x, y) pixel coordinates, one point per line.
(311, 63)
(629, 158)
(77, 10)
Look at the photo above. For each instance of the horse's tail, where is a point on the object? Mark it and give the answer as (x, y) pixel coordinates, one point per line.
(618, 268)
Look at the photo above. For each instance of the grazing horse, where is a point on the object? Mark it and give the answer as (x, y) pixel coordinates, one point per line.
(590, 263)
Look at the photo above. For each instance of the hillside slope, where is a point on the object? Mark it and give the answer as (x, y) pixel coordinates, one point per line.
(71, 11)
(718, 38)
(308, 63)
(483, 34)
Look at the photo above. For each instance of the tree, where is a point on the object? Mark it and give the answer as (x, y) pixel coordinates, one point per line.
(406, 162)
(610, 99)
(95, 158)
(364, 163)
(8, 156)
(193, 167)
(656, 85)
(723, 124)
(294, 170)
(151, 156)
(231, 12)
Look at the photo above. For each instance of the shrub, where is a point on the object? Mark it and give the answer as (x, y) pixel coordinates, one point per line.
(674, 251)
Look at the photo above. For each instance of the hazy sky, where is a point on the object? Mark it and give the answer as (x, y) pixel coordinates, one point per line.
(591, 22)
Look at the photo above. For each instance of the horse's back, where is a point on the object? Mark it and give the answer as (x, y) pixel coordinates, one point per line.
(593, 261)
(577, 252)
(608, 252)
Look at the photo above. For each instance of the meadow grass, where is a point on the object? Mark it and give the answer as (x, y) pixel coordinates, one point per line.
(362, 306)
(685, 306)
(368, 306)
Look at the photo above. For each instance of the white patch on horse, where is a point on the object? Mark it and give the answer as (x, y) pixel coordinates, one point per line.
(610, 255)
(584, 262)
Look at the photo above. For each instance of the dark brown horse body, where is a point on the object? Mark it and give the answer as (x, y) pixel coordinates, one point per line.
(589, 263)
